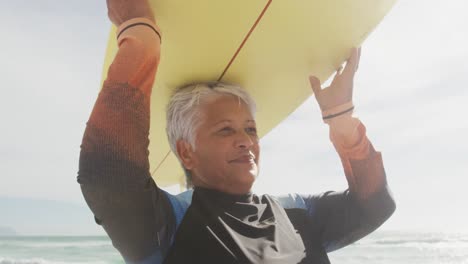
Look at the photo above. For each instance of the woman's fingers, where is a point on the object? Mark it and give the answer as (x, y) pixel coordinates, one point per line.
(315, 84)
(338, 72)
(347, 74)
(352, 63)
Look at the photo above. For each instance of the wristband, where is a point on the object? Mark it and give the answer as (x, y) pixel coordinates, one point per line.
(138, 22)
(338, 114)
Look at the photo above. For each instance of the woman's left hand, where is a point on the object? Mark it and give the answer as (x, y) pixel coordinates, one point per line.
(340, 90)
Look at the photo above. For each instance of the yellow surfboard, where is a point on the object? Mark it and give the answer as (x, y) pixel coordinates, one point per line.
(268, 47)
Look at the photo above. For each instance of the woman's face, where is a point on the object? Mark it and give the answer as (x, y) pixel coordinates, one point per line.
(227, 147)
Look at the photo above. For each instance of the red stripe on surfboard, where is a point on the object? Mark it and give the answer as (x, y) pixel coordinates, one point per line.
(160, 163)
(245, 39)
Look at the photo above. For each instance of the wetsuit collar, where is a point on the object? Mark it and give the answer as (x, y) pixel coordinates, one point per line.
(221, 198)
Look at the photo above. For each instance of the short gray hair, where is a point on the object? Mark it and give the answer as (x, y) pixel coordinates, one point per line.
(183, 115)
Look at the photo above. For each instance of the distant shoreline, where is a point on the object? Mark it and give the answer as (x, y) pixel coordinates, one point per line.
(7, 231)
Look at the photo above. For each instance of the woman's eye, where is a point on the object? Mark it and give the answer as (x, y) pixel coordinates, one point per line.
(226, 130)
(251, 130)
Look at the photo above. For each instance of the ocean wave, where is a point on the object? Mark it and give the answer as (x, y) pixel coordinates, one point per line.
(41, 261)
(56, 244)
(421, 242)
(88, 244)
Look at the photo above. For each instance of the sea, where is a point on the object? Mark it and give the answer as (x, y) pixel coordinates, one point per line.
(379, 247)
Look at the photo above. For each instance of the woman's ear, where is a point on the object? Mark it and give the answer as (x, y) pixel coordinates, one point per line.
(185, 152)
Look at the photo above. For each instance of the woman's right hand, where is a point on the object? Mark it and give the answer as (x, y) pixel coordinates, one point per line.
(120, 11)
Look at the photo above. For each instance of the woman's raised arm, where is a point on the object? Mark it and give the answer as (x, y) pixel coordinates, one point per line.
(114, 168)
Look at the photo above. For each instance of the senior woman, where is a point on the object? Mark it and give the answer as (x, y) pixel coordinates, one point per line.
(211, 129)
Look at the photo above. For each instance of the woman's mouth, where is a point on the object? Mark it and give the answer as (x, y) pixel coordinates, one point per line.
(244, 159)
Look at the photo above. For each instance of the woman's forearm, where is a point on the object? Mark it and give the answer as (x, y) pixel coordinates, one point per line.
(362, 165)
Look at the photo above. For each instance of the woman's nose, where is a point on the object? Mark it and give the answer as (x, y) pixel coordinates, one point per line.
(244, 140)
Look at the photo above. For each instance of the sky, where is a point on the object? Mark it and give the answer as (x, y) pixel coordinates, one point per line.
(410, 92)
